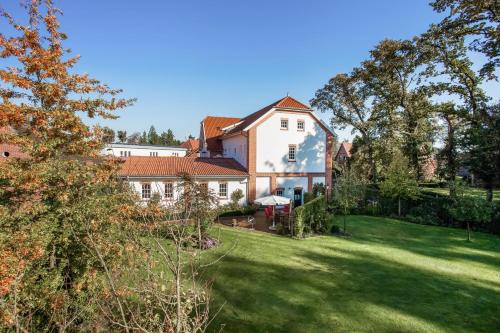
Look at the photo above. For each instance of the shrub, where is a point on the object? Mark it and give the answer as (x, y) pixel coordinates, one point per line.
(472, 211)
(236, 196)
(308, 196)
(242, 211)
(310, 217)
(334, 229)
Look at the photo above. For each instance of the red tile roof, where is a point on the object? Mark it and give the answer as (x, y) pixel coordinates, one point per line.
(191, 144)
(144, 166)
(286, 102)
(213, 130)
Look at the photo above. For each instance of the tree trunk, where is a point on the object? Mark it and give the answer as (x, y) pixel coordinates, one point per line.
(178, 272)
(373, 165)
(399, 207)
(345, 213)
(468, 232)
(489, 191)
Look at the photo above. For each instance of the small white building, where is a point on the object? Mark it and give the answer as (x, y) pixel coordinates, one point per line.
(150, 175)
(126, 150)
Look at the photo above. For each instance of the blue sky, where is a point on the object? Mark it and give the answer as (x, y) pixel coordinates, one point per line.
(184, 60)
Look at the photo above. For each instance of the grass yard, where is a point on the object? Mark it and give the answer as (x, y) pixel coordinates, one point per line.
(388, 276)
(471, 192)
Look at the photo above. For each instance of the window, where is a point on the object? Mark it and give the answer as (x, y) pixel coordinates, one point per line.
(204, 187)
(300, 125)
(125, 153)
(146, 191)
(292, 152)
(153, 153)
(169, 190)
(280, 191)
(175, 154)
(223, 190)
(284, 124)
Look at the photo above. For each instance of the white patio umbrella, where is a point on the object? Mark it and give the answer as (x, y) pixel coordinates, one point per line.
(273, 200)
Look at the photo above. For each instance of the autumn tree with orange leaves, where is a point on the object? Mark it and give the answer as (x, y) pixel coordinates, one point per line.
(63, 214)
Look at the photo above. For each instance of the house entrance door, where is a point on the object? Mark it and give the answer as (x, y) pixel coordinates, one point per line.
(297, 197)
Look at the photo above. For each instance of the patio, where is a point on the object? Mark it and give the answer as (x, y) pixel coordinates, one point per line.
(259, 221)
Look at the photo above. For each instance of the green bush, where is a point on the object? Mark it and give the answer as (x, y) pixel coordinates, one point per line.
(242, 211)
(334, 229)
(310, 217)
(308, 196)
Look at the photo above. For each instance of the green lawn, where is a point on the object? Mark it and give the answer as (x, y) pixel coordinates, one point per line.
(471, 192)
(388, 276)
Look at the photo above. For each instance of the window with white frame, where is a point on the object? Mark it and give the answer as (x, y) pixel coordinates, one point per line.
(146, 191)
(169, 190)
(153, 153)
(300, 125)
(284, 124)
(292, 153)
(223, 190)
(175, 154)
(125, 153)
(280, 192)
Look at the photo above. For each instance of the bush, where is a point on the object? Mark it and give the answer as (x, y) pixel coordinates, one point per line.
(335, 229)
(308, 196)
(242, 211)
(310, 217)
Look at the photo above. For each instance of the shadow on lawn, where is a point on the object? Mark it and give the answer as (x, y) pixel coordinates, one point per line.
(429, 241)
(344, 290)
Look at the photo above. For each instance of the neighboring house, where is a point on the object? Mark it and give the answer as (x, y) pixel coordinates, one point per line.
(285, 148)
(344, 152)
(192, 146)
(148, 175)
(126, 150)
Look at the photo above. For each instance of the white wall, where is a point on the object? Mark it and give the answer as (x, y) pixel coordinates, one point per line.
(158, 185)
(262, 186)
(272, 144)
(115, 149)
(319, 180)
(290, 183)
(236, 147)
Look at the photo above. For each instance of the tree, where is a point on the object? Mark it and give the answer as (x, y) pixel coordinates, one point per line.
(394, 74)
(348, 192)
(62, 209)
(152, 137)
(400, 181)
(122, 136)
(470, 210)
(347, 98)
(236, 196)
(476, 19)
(144, 138)
(108, 135)
(134, 138)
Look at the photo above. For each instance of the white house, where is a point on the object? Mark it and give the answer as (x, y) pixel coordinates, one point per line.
(147, 175)
(285, 148)
(126, 150)
(282, 149)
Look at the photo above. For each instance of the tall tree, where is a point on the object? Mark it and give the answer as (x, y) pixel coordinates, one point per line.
(394, 74)
(346, 97)
(153, 138)
(122, 136)
(348, 192)
(134, 138)
(144, 138)
(475, 19)
(61, 218)
(108, 135)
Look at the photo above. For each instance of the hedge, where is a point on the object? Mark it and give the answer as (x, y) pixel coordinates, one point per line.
(310, 217)
(247, 210)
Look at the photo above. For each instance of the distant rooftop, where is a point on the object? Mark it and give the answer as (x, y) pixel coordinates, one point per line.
(143, 146)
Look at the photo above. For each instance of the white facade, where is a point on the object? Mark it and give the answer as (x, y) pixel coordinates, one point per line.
(157, 185)
(272, 144)
(125, 150)
(263, 186)
(236, 147)
(290, 184)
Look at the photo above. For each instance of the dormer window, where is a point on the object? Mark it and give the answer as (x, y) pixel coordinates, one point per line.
(284, 124)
